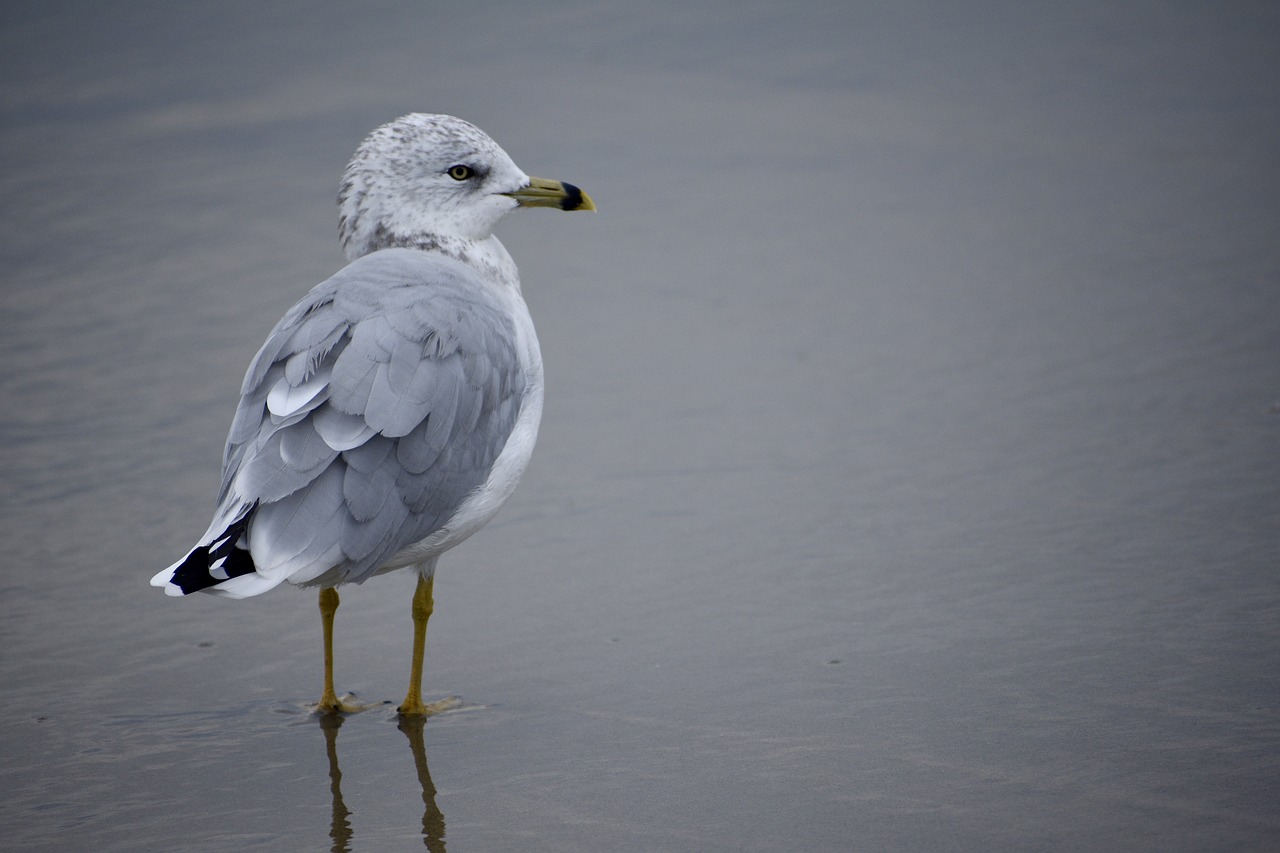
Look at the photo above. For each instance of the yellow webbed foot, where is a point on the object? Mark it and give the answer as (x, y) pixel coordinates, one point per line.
(412, 707)
(331, 704)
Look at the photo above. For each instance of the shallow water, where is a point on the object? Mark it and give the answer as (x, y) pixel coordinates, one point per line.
(908, 472)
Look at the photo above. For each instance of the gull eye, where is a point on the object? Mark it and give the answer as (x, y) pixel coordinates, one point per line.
(461, 172)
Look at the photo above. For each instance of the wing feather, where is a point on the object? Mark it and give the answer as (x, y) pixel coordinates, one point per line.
(368, 492)
(375, 407)
(340, 430)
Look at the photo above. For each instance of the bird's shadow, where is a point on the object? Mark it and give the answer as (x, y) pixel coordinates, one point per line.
(340, 829)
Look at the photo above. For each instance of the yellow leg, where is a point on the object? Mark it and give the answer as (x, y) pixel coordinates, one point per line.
(329, 701)
(423, 605)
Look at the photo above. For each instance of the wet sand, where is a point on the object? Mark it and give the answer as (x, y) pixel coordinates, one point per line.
(907, 479)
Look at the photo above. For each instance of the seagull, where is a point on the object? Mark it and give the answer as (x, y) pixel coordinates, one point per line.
(393, 410)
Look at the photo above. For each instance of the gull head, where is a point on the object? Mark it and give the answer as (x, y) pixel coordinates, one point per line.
(427, 179)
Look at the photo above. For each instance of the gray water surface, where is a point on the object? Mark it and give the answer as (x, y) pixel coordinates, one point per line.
(908, 475)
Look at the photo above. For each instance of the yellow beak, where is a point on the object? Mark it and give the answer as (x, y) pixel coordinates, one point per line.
(544, 193)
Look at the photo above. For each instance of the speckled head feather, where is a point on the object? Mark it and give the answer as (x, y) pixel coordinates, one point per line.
(425, 180)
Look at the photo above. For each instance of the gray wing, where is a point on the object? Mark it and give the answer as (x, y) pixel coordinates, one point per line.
(376, 405)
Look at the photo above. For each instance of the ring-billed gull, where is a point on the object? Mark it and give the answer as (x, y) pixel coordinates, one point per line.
(392, 411)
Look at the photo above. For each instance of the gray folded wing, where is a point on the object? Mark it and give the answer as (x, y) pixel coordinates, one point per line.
(375, 407)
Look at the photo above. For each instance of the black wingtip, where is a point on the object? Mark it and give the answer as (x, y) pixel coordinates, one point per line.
(197, 571)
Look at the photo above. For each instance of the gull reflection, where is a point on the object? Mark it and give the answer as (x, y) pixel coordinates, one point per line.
(432, 817)
(340, 830)
(339, 825)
